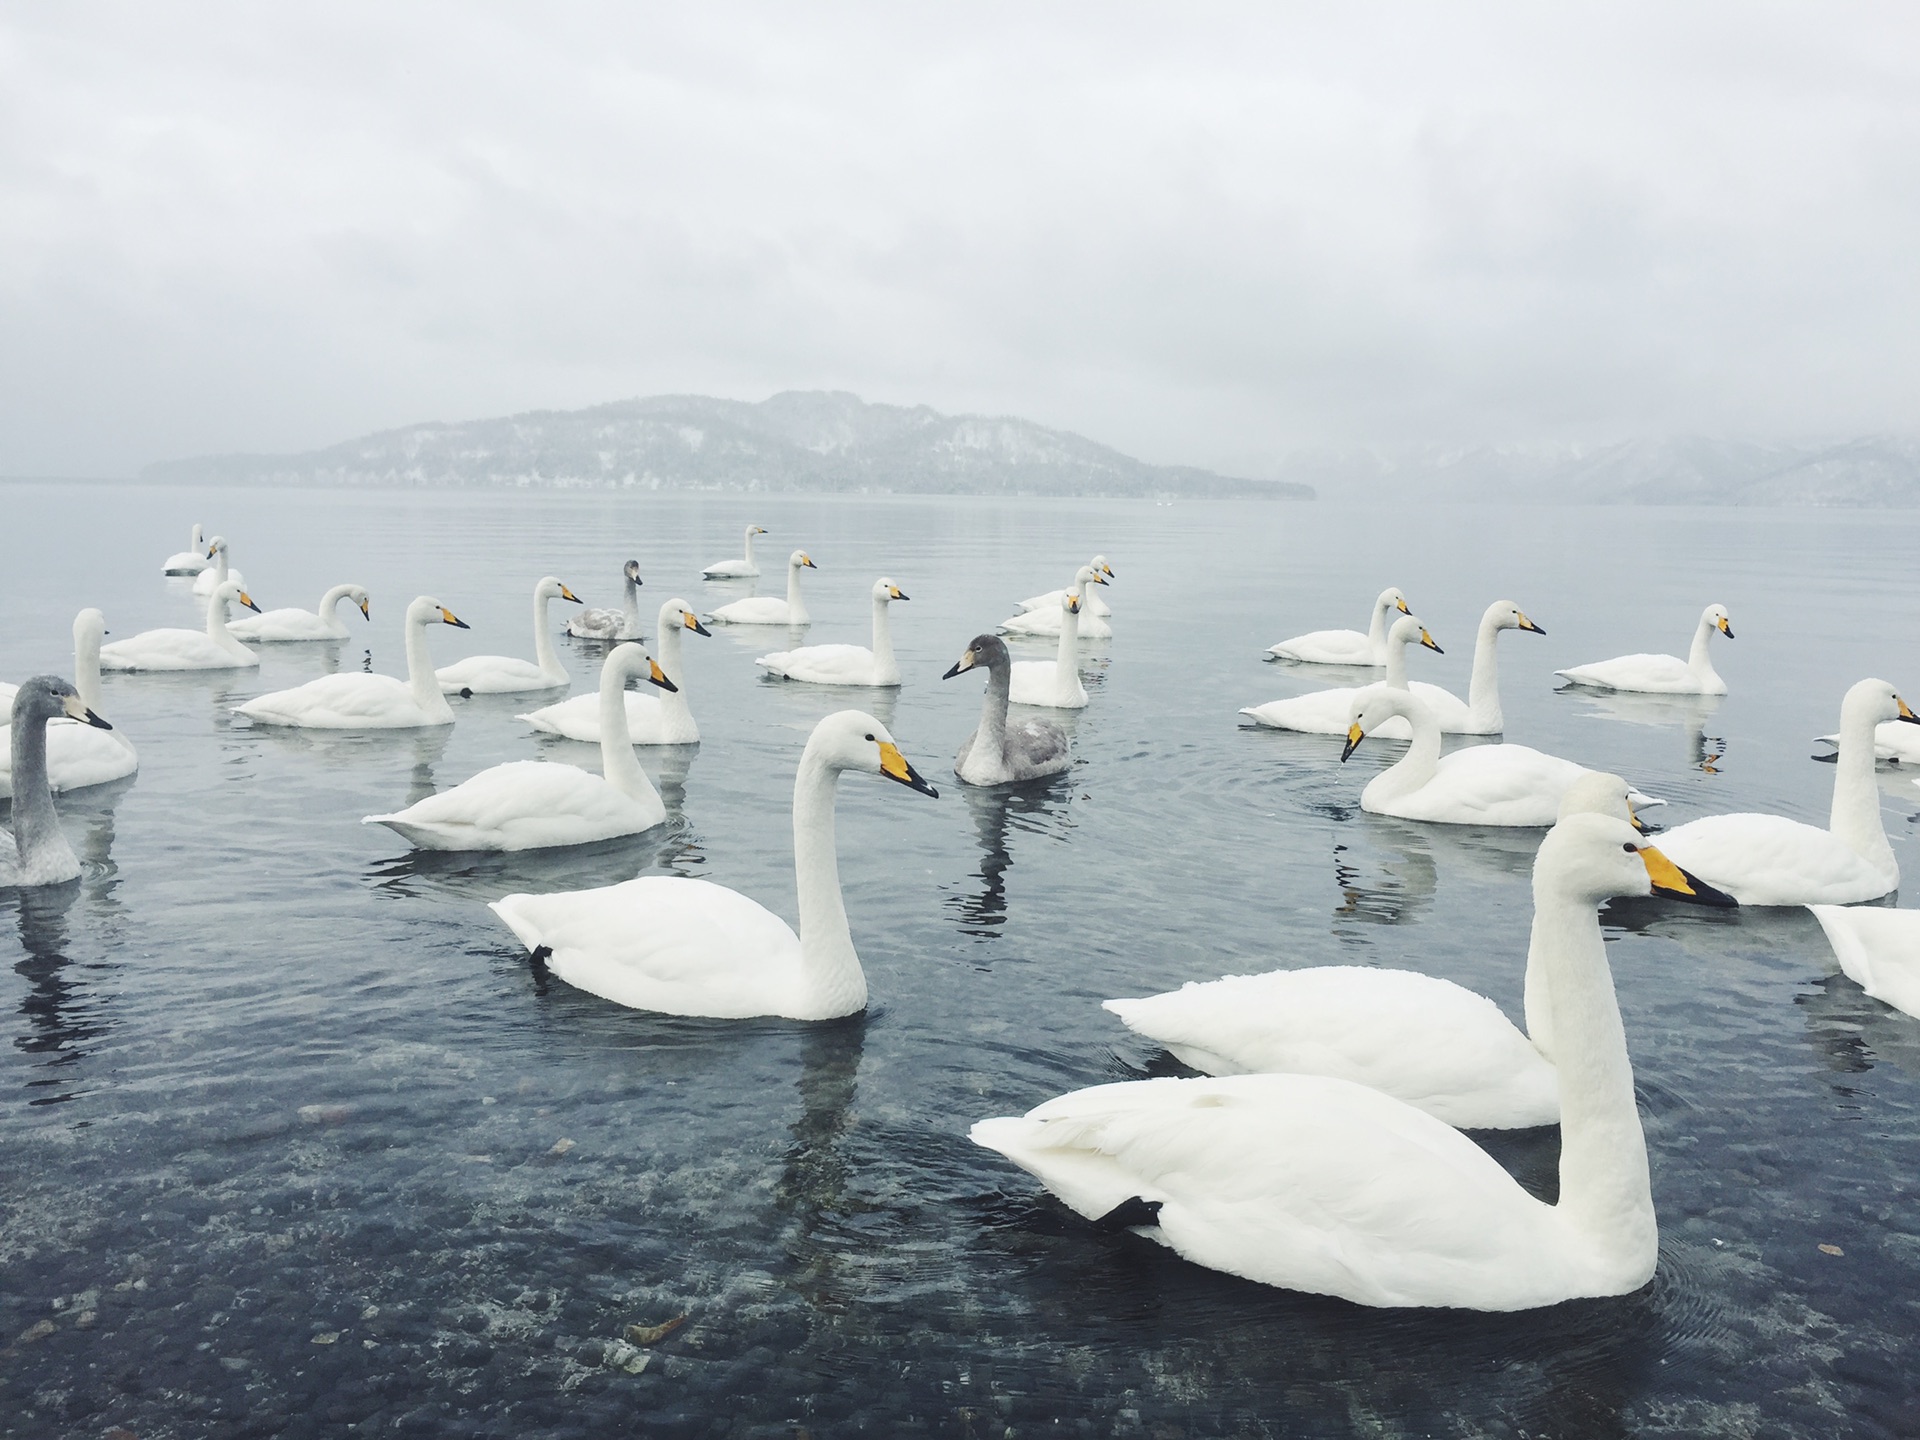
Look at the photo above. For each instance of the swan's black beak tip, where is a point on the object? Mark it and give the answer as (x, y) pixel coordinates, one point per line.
(95, 721)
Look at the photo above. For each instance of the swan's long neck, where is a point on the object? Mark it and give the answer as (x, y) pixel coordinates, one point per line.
(1699, 661)
(36, 824)
(796, 607)
(617, 761)
(329, 607)
(1483, 691)
(220, 567)
(217, 621)
(673, 702)
(1066, 665)
(420, 677)
(633, 605)
(884, 666)
(830, 970)
(1604, 1186)
(1416, 767)
(544, 653)
(750, 547)
(86, 666)
(1855, 817)
(1396, 664)
(1533, 993)
(991, 738)
(1377, 631)
(198, 545)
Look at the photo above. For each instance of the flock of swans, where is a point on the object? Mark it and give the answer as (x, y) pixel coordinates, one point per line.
(1320, 1148)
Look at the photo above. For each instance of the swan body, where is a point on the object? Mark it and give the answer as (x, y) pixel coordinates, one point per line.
(79, 753)
(1315, 1183)
(35, 850)
(356, 701)
(190, 561)
(845, 664)
(1771, 860)
(999, 751)
(210, 649)
(1481, 785)
(1480, 714)
(1093, 605)
(537, 804)
(1329, 712)
(1892, 740)
(742, 569)
(621, 624)
(1055, 684)
(216, 573)
(769, 609)
(320, 623)
(1878, 949)
(1051, 619)
(690, 947)
(1346, 647)
(651, 719)
(1663, 674)
(506, 675)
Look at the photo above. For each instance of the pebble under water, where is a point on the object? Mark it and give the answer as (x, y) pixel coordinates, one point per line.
(296, 1142)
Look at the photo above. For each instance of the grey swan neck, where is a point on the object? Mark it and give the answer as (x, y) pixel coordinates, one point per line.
(832, 982)
(40, 845)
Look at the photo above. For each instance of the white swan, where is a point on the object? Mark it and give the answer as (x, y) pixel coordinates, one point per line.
(1878, 949)
(998, 752)
(1092, 604)
(743, 569)
(358, 701)
(1055, 684)
(209, 649)
(320, 623)
(1481, 785)
(1346, 647)
(1329, 712)
(505, 675)
(1663, 674)
(846, 664)
(1771, 860)
(540, 804)
(690, 947)
(1480, 712)
(621, 624)
(190, 561)
(217, 573)
(1429, 1042)
(79, 753)
(769, 609)
(651, 719)
(1319, 1184)
(35, 850)
(1049, 621)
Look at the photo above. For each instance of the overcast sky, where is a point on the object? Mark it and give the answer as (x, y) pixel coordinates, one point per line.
(1207, 234)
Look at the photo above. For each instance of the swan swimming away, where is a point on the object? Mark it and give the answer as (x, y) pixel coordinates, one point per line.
(651, 719)
(217, 573)
(1663, 674)
(1314, 1183)
(1771, 860)
(1329, 712)
(190, 561)
(621, 624)
(210, 649)
(1094, 604)
(357, 701)
(846, 664)
(742, 569)
(505, 675)
(1429, 1042)
(79, 754)
(1481, 785)
(1055, 684)
(769, 609)
(690, 947)
(35, 850)
(1878, 949)
(541, 804)
(1346, 647)
(320, 623)
(997, 751)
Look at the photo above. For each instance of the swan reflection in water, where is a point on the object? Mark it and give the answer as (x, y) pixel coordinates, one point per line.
(1850, 1031)
(61, 1016)
(1039, 807)
(1688, 712)
(812, 1190)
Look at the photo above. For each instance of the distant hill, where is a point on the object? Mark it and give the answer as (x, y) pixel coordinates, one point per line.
(800, 440)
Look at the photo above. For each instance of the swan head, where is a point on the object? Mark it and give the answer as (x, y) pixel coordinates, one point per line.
(358, 594)
(550, 588)
(1099, 562)
(987, 650)
(677, 612)
(1505, 615)
(1392, 599)
(1372, 707)
(1875, 701)
(229, 590)
(1597, 857)
(854, 740)
(631, 660)
(1087, 575)
(1599, 793)
(799, 560)
(1715, 617)
(89, 627)
(885, 589)
(216, 545)
(48, 697)
(1408, 630)
(425, 610)
(758, 530)
(632, 571)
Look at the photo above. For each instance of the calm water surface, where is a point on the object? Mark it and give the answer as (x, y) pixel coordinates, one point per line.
(295, 1142)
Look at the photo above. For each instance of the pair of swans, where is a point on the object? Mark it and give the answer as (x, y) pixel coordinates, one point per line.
(1000, 751)
(79, 754)
(663, 719)
(1094, 604)
(35, 850)
(1346, 647)
(691, 947)
(1328, 712)
(621, 624)
(357, 701)
(323, 622)
(541, 804)
(1055, 684)
(505, 674)
(213, 648)
(1316, 1183)
(217, 573)
(769, 609)
(1046, 614)
(1662, 674)
(190, 561)
(742, 569)
(845, 664)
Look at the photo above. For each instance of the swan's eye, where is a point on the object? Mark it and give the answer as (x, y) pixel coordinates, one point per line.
(869, 735)
(1631, 848)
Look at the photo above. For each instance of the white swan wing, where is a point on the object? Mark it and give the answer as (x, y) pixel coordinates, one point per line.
(522, 805)
(678, 947)
(1037, 682)
(1878, 949)
(1323, 712)
(494, 675)
(579, 719)
(286, 624)
(1491, 785)
(209, 577)
(352, 701)
(1892, 740)
(754, 610)
(1771, 860)
(1327, 647)
(172, 650)
(730, 570)
(1657, 674)
(823, 664)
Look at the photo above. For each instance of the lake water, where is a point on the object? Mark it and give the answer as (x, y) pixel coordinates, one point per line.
(284, 1113)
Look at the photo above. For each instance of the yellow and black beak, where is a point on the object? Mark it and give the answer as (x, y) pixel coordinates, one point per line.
(960, 666)
(1073, 603)
(761, 530)
(364, 610)
(247, 600)
(566, 594)
(1637, 823)
(894, 766)
(1428, 641)
(447, 617)
(1099, 580)
(1354, 736)
(659, 676)
(1526, 624)
(693, 623)
(807, 560)
(1401, 606)
(1669, 879)
(1106, 570)
(76, 709)
(894, 592)
(1726, 627)
(212, 550)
